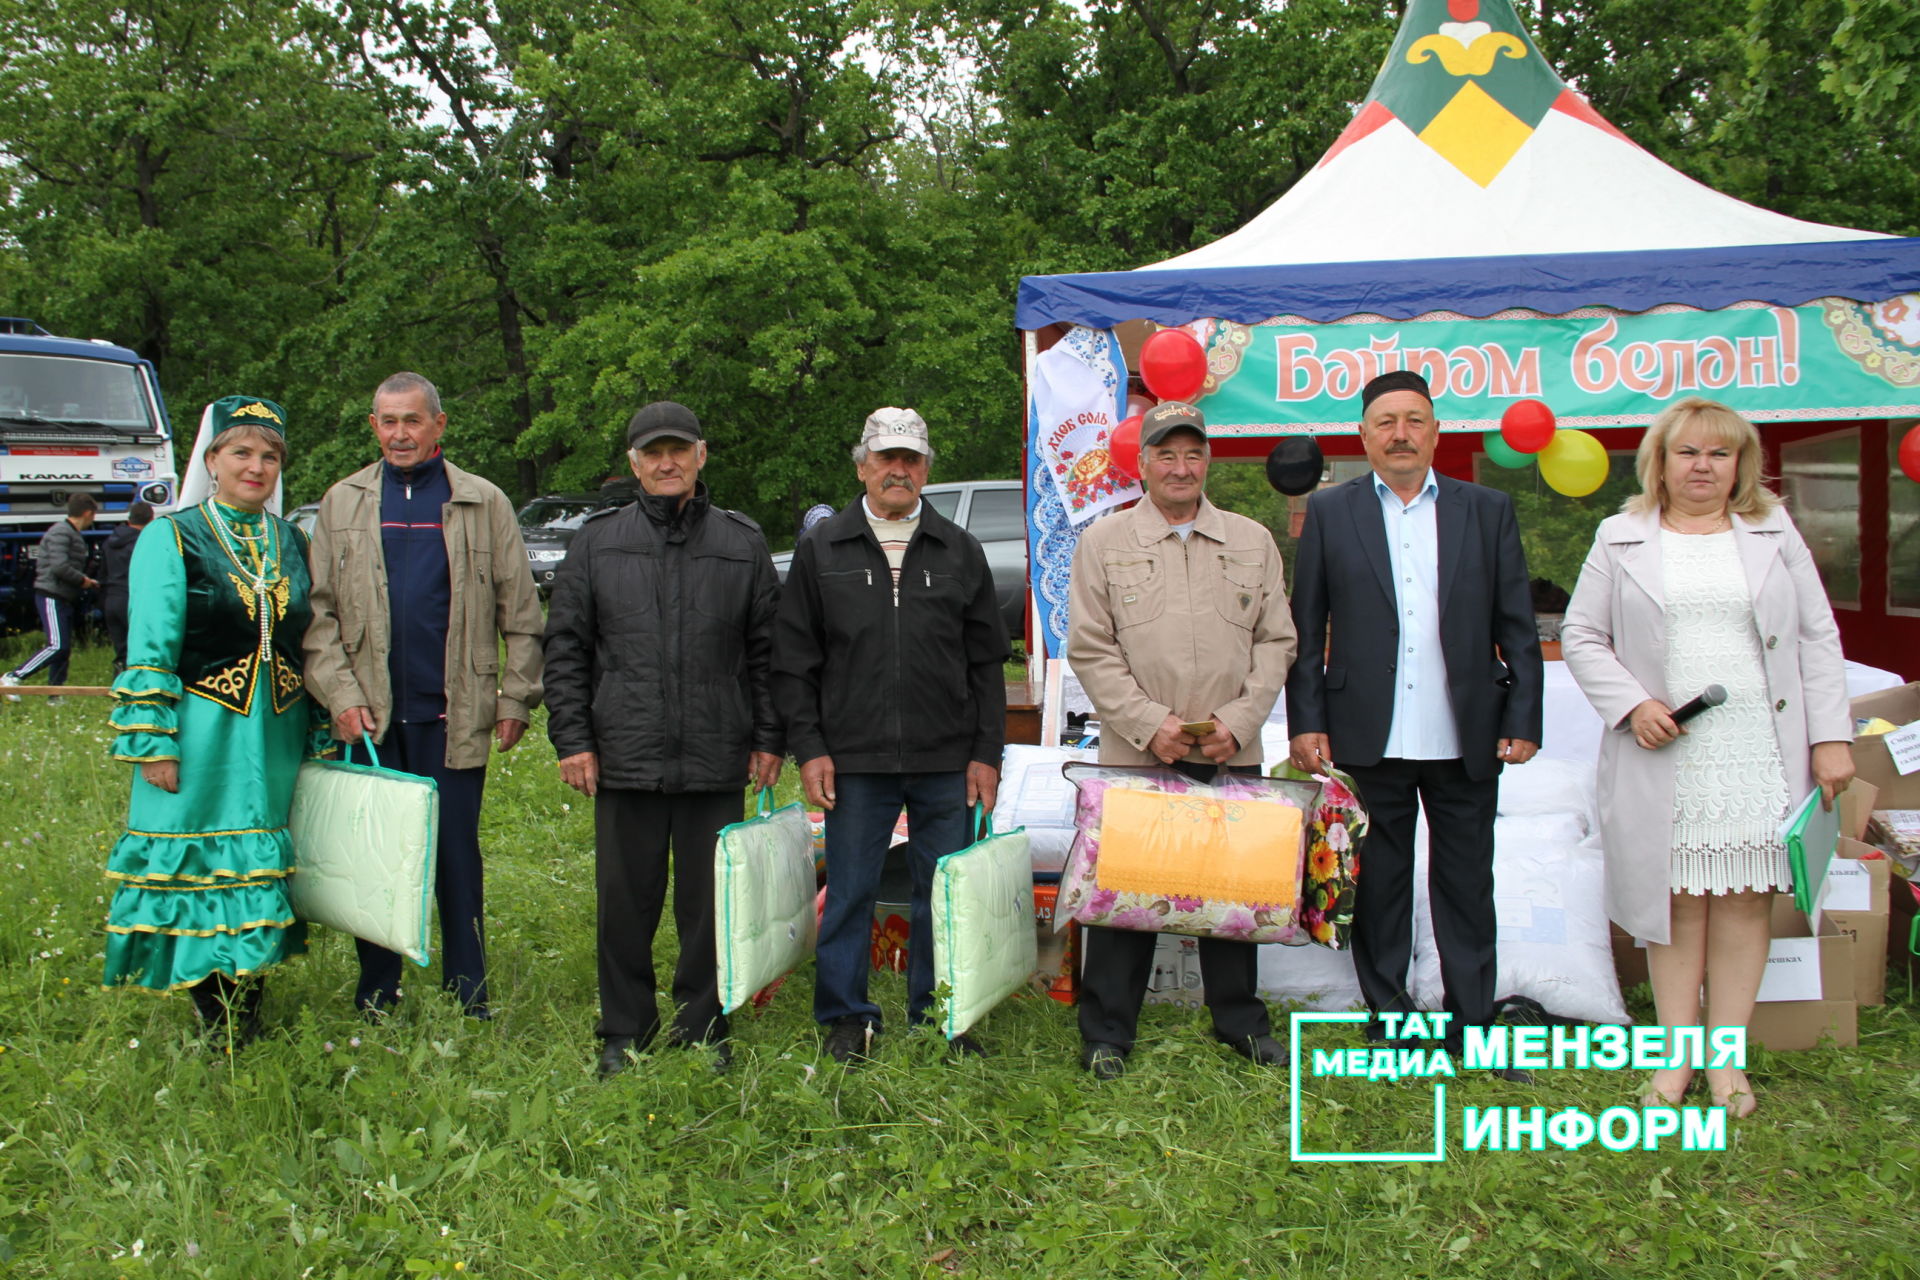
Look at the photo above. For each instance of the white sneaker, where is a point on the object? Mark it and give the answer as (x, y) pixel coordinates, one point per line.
(9, 680)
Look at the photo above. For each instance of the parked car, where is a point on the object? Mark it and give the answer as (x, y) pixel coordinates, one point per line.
(304, 518)
(547, 526)
(995, 512)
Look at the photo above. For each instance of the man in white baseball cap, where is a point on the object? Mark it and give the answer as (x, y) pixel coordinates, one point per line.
(887, 674)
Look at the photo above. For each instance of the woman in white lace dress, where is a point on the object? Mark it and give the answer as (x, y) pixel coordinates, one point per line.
(1702, 579)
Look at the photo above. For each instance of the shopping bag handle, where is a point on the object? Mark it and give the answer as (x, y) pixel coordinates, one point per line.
(982, 822)
(365, 740)
(763, 802)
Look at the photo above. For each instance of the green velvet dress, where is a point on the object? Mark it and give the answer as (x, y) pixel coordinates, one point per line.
(213, 680)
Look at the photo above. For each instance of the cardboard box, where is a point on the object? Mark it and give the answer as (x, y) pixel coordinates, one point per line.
(1058, 973)
(1804, 1024)
(1807, 993)
(1872, 761)
(1802, 964)
(1867, 924)
(1629, 957)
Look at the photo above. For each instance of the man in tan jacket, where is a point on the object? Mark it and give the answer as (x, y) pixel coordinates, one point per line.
(1182, 637)
(418, 574)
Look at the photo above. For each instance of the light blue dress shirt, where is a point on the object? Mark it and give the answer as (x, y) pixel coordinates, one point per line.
(1423, 724)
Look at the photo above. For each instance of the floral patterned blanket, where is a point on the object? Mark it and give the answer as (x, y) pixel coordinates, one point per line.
(1252, 872)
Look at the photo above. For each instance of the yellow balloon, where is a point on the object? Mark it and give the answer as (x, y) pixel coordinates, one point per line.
(1574, 463)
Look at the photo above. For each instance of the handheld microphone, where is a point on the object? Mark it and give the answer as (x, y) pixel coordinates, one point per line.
(1711, 696)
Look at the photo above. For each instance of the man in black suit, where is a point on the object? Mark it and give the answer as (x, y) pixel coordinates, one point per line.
(1432, 682)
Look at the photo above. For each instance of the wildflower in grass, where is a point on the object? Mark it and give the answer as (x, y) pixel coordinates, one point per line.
(134, 1043)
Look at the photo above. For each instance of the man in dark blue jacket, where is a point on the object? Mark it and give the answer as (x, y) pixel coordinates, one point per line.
(888, 674)
(659, 643)
(116, 562)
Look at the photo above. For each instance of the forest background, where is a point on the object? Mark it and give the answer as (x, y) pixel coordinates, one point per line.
(783, 214)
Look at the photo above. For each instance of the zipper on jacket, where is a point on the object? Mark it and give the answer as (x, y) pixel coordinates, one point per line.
(899, 727)
(869, 577)
(929, 577)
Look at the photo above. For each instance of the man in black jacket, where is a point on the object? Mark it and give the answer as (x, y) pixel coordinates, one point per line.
(659, 641)
(888, 674)
(116, 561)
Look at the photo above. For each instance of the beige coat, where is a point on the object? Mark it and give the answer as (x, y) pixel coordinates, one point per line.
(1614, 640)
(493, 597)
(1198, 628)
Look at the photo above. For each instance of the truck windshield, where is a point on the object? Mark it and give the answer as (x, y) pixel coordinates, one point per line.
(42, 394)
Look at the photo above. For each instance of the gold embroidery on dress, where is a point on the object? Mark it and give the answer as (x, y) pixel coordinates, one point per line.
(231, 686)
(287, 684)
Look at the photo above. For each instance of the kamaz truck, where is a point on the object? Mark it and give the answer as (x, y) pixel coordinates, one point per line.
(76, 416)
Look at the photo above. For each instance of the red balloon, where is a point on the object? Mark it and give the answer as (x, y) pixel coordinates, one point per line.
(1910, 454)
(1123, 448)
(1172, 364)
(1137, 403)
(1527, 426)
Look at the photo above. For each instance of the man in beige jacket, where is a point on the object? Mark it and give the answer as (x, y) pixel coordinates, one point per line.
(1182, 637)
(418, 574)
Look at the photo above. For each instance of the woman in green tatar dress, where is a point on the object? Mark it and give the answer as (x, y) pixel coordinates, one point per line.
(212, 711)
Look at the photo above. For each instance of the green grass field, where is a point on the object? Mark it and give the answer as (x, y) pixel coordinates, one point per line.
(436, 1146)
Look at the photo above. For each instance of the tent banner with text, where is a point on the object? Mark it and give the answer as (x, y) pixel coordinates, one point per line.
(1834, 359)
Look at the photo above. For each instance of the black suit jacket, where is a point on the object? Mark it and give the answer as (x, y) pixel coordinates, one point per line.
(1342, 576)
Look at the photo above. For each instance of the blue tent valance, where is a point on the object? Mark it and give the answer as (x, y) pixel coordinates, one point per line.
(1709, 279)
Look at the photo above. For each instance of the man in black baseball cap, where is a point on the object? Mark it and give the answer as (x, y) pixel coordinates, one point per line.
(663, 420)
(662, 618)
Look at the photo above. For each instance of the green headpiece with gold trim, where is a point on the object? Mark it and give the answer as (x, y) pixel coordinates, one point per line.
(251, 411)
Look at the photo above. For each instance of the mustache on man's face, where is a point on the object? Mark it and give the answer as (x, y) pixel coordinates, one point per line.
(896, 482)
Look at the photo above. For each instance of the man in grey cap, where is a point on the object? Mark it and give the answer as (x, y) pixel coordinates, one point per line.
(659, 648)
(888, 675)
(1182, 638)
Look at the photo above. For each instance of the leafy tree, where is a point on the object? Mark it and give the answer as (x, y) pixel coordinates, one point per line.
(1876, 47)
(190, 179)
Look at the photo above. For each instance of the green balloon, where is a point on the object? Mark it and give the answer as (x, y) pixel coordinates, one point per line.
(1502, 454)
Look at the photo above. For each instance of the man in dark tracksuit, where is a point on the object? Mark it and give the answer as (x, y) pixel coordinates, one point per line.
(60, 575)
(658, 655)
(888, 673)
(116, 561)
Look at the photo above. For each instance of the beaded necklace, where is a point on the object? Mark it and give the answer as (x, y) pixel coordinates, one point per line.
(263, 574)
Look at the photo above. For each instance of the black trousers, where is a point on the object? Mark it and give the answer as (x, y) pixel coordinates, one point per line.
(1460, 814)
(1113, 980)
(115, 611)
(632, 833)
(459, 888)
